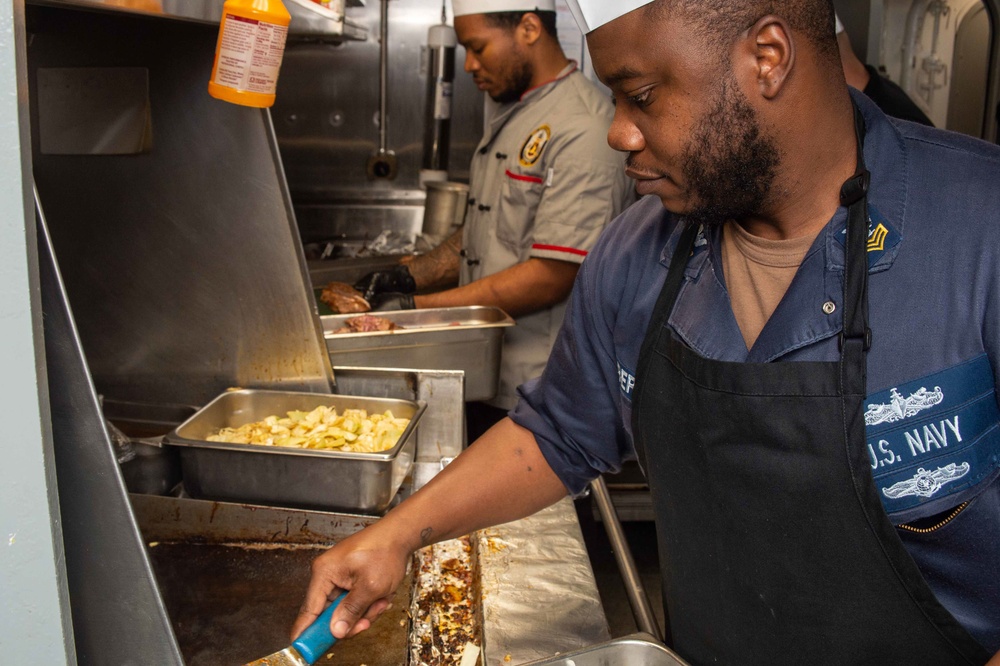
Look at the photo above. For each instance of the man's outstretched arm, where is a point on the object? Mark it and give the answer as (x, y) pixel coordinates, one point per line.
(503, 477)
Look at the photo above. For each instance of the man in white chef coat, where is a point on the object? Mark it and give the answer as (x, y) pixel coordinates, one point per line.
(544, 183)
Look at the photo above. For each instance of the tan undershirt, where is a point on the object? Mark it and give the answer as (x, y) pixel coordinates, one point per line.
(758, 272)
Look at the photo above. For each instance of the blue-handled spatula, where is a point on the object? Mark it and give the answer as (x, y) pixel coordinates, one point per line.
(309, 646)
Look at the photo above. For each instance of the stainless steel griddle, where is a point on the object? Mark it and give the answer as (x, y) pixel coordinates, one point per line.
(233, 577)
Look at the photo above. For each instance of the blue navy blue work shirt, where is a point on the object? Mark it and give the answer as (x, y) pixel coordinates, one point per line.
(934, 299)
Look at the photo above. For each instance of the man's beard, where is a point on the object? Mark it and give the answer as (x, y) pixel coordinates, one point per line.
(517, 83)
(729, 164)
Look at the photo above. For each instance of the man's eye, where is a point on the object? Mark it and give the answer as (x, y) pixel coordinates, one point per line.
(641, 99)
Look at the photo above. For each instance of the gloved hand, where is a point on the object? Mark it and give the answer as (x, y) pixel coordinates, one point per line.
(395, 279)
(392, 300)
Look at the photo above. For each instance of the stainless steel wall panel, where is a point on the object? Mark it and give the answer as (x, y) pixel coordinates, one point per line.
(326, 112)
(184, 264)
(118, 613)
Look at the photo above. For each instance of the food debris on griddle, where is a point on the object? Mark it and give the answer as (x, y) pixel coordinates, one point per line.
(444, 604)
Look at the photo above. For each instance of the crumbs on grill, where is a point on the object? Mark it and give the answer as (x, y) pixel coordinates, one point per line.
(444, 607)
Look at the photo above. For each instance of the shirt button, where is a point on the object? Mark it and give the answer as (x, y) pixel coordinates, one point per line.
(829, 307)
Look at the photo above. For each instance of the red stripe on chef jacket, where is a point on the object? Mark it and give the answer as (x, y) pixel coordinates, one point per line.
(527, 179)
(557, 248)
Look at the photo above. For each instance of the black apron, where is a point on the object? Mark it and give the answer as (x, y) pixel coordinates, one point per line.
(774, 545)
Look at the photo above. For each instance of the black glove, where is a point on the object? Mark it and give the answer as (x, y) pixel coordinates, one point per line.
(392, 300)
(395, 279)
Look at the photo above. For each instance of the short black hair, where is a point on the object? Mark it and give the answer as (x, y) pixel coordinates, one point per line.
(511, 20)
(721, 21)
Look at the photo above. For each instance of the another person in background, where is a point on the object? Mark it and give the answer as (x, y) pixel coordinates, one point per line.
(892, 99)
(543, 185)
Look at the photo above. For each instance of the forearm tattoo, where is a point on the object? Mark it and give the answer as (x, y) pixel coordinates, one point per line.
(439, 267)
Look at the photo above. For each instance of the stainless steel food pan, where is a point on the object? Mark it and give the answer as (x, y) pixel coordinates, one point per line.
(464, 338)
(635, 650)
(279, 476)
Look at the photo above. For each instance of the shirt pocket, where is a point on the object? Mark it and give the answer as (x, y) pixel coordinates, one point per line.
(958, 553)
(519, 199)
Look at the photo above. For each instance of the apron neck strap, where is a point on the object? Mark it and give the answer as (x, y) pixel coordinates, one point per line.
(671, 288)
(854, 195)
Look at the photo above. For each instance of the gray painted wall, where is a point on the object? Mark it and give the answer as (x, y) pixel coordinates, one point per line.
(34, 608)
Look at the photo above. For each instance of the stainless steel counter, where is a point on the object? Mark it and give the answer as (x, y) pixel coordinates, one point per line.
(539, 594)
(233, 576)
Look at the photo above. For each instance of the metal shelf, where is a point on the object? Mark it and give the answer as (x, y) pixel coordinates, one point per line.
(309, 19)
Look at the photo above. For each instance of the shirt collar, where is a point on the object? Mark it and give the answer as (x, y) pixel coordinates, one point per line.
(505, 112)
(887, 158)
(543, 88)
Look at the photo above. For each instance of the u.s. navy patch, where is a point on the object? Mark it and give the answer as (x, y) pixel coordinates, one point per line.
(882, 236)
(934, 436)
(533, 147)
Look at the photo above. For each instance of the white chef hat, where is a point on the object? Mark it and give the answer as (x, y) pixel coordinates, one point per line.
(463, 7)
(592, 14)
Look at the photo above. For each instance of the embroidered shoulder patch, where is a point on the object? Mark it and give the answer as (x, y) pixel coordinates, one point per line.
(882, 235)
(535, 144)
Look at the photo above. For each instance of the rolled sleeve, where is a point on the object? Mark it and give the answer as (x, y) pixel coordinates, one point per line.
(572, 408)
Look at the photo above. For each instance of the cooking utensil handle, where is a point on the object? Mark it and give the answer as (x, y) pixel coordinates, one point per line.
(317, 639)
(642, 611)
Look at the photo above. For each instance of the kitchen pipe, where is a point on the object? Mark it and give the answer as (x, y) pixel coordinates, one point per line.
(441, 43)
(933, 65)
(914, 23)
(383, 165)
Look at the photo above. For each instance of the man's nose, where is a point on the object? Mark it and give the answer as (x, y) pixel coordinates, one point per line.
(471, 63)
(623, 134)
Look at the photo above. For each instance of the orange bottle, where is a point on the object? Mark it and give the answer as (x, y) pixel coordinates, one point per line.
(249, 52)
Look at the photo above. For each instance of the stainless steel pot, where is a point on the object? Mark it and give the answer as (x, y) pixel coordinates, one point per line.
(444, 210)
(153, 469)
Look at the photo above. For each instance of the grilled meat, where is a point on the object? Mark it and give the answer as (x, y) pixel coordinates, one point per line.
(366, 324)
(344, 299)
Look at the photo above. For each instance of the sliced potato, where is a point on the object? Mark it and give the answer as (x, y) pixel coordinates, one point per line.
(321, 428)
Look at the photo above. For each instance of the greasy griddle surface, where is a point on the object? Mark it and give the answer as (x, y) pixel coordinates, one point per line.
(234, 604)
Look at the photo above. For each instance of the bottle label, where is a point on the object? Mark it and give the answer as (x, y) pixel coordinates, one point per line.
(442, 100)
(250, 53)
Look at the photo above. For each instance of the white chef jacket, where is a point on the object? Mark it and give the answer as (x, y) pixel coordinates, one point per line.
(543, 183)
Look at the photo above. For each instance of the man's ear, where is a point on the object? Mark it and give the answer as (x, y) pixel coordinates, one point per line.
(770, 49)
(530, 29)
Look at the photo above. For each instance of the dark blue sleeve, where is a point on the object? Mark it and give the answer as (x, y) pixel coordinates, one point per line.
(575, 408)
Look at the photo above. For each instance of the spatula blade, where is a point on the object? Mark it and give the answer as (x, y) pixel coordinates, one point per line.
(309, 646)
(287, 657)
